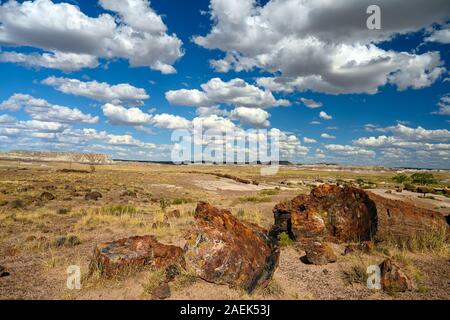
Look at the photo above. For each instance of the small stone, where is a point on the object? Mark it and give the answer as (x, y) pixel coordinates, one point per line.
(320, 254)
(94, 195)
(46, 196)
(393, 279)
(162, 292)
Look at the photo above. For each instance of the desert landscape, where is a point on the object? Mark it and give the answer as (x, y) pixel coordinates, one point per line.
(160, 231)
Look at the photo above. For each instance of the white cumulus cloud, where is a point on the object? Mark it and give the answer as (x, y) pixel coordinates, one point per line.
(234, 92)
(100, 91)
(323, 46)
(136, 33)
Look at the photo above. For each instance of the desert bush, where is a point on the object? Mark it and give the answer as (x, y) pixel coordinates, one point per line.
(273, 289)
(164, 203)
(154, 280)
(356, 273)
(185, 278)
(68, 241)
(256, 199)
(423, 178)
(178, 201)
(401, 178)
(410, 187)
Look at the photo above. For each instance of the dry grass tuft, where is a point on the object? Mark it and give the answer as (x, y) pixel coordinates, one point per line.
(356, 272)
(434, 243)
(154, 280)
(252, 216)
(272, 290)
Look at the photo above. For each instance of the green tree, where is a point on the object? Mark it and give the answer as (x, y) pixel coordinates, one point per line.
(423, 178)
(401, 178)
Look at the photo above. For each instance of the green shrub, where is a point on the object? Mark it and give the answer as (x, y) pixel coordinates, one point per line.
(423, 178)
(164, 203)
(178, 201)
(401, 178)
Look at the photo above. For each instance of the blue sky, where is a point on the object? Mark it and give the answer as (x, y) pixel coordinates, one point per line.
(337, 91)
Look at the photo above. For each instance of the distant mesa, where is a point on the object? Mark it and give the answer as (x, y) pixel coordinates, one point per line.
(91, 158)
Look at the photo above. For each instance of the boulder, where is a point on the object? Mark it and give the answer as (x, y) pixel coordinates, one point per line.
(94, 195)
(112, 258)
(393, 279)
(348, 214)
(223, 250)
(319, 253)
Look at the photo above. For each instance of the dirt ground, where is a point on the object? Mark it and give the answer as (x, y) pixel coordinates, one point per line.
(135, 197)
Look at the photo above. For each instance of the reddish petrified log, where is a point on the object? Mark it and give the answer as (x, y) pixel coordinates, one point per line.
(224, 250)
(347, 214)
(112, 258)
